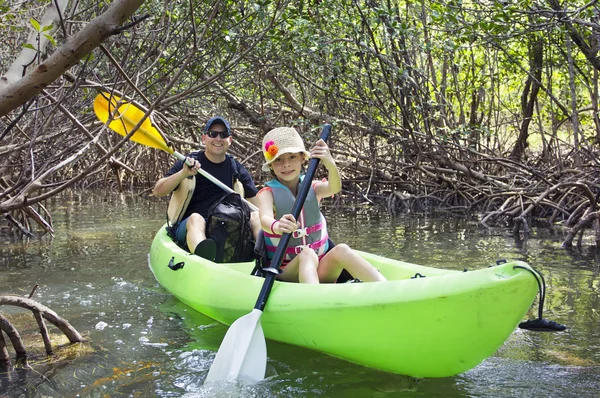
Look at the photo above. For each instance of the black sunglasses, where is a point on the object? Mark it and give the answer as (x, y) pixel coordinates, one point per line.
(214, 134)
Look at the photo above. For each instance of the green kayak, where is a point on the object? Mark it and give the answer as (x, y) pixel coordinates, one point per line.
(423, 322)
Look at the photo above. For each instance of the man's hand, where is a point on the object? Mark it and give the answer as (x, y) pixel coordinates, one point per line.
(190, 170)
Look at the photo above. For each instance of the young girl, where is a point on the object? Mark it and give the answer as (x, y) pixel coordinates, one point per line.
(307, 259)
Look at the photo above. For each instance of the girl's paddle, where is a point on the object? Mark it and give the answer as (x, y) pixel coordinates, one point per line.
(243, 352)
(128, 116)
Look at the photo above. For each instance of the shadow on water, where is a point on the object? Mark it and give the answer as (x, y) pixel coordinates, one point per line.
(143, 342)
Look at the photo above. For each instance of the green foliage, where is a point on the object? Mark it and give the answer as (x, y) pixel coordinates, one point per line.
(461, 66)
(51, 39)
(35, 24)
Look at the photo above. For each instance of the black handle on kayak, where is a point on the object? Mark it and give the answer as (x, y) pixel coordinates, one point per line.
(285, 238)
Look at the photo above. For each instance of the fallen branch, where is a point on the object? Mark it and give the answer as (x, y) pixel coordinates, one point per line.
(41, 313)
(581, 224)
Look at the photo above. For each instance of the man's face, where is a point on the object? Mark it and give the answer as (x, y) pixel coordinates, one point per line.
(216, 146)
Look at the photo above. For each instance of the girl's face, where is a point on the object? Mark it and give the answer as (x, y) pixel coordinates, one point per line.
(288, 166)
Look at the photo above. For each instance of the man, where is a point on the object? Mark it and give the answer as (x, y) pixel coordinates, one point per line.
(190, 232)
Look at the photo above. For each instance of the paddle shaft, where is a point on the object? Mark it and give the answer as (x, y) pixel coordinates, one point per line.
(285, 238)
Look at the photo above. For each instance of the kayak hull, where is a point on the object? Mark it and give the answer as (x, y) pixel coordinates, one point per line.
(439, 325)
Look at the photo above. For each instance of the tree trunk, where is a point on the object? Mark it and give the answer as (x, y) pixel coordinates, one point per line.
(39, 40)
(588, 50)
(530, 92)
(67, 55)
(573, 91)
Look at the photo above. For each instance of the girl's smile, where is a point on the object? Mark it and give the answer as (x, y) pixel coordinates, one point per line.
(288, 166)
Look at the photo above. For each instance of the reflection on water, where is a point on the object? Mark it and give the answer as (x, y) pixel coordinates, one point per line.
(143, 342)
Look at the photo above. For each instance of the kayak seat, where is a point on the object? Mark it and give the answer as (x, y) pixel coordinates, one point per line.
(262, 264)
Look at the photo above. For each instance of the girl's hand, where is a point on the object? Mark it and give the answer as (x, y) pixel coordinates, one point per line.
(321, 151)
(285, 225)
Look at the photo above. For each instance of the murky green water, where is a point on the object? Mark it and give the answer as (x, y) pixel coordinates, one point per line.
(144, 343)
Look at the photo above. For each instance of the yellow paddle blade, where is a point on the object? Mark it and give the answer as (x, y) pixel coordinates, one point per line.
(125, 119)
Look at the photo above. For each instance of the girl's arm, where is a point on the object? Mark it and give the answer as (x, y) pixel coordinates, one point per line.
(333, 184)
(265, 209)
(268, 222)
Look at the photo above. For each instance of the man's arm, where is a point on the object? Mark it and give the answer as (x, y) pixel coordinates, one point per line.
(166, 185)
(254, 201)
(250, 190)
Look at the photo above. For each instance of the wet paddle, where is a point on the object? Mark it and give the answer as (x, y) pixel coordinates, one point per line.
(128, 116)
(243, 352)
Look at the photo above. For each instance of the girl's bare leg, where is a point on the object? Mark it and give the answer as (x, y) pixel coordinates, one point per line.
(342, 256)
(303, 268)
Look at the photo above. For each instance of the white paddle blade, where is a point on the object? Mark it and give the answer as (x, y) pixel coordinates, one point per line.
(243, 352)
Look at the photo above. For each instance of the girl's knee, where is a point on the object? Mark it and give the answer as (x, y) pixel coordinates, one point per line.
(308, 258)
(341, 249)
(308, 254)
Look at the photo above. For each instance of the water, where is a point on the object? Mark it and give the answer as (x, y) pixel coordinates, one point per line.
(142, 342)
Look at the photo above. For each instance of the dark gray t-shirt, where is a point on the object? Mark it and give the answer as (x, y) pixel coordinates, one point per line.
(206, 192)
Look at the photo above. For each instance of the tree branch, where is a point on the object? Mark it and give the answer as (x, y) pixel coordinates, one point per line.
(72, 51)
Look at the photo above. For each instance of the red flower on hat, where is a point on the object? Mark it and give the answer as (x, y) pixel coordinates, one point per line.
(270, 150)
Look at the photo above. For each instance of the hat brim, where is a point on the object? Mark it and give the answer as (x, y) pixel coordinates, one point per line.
(265, 166)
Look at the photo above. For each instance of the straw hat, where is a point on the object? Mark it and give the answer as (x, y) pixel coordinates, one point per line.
(279, 141)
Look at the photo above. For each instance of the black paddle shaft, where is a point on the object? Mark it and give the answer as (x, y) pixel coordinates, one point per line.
(285, 238)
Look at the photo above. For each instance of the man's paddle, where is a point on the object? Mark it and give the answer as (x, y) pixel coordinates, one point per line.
(243, 352)
(127, 117)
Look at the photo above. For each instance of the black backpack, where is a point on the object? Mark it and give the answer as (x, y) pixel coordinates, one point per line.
(228, 224)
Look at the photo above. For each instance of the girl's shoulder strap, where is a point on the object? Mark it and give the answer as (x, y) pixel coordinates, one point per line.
(274, 183)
